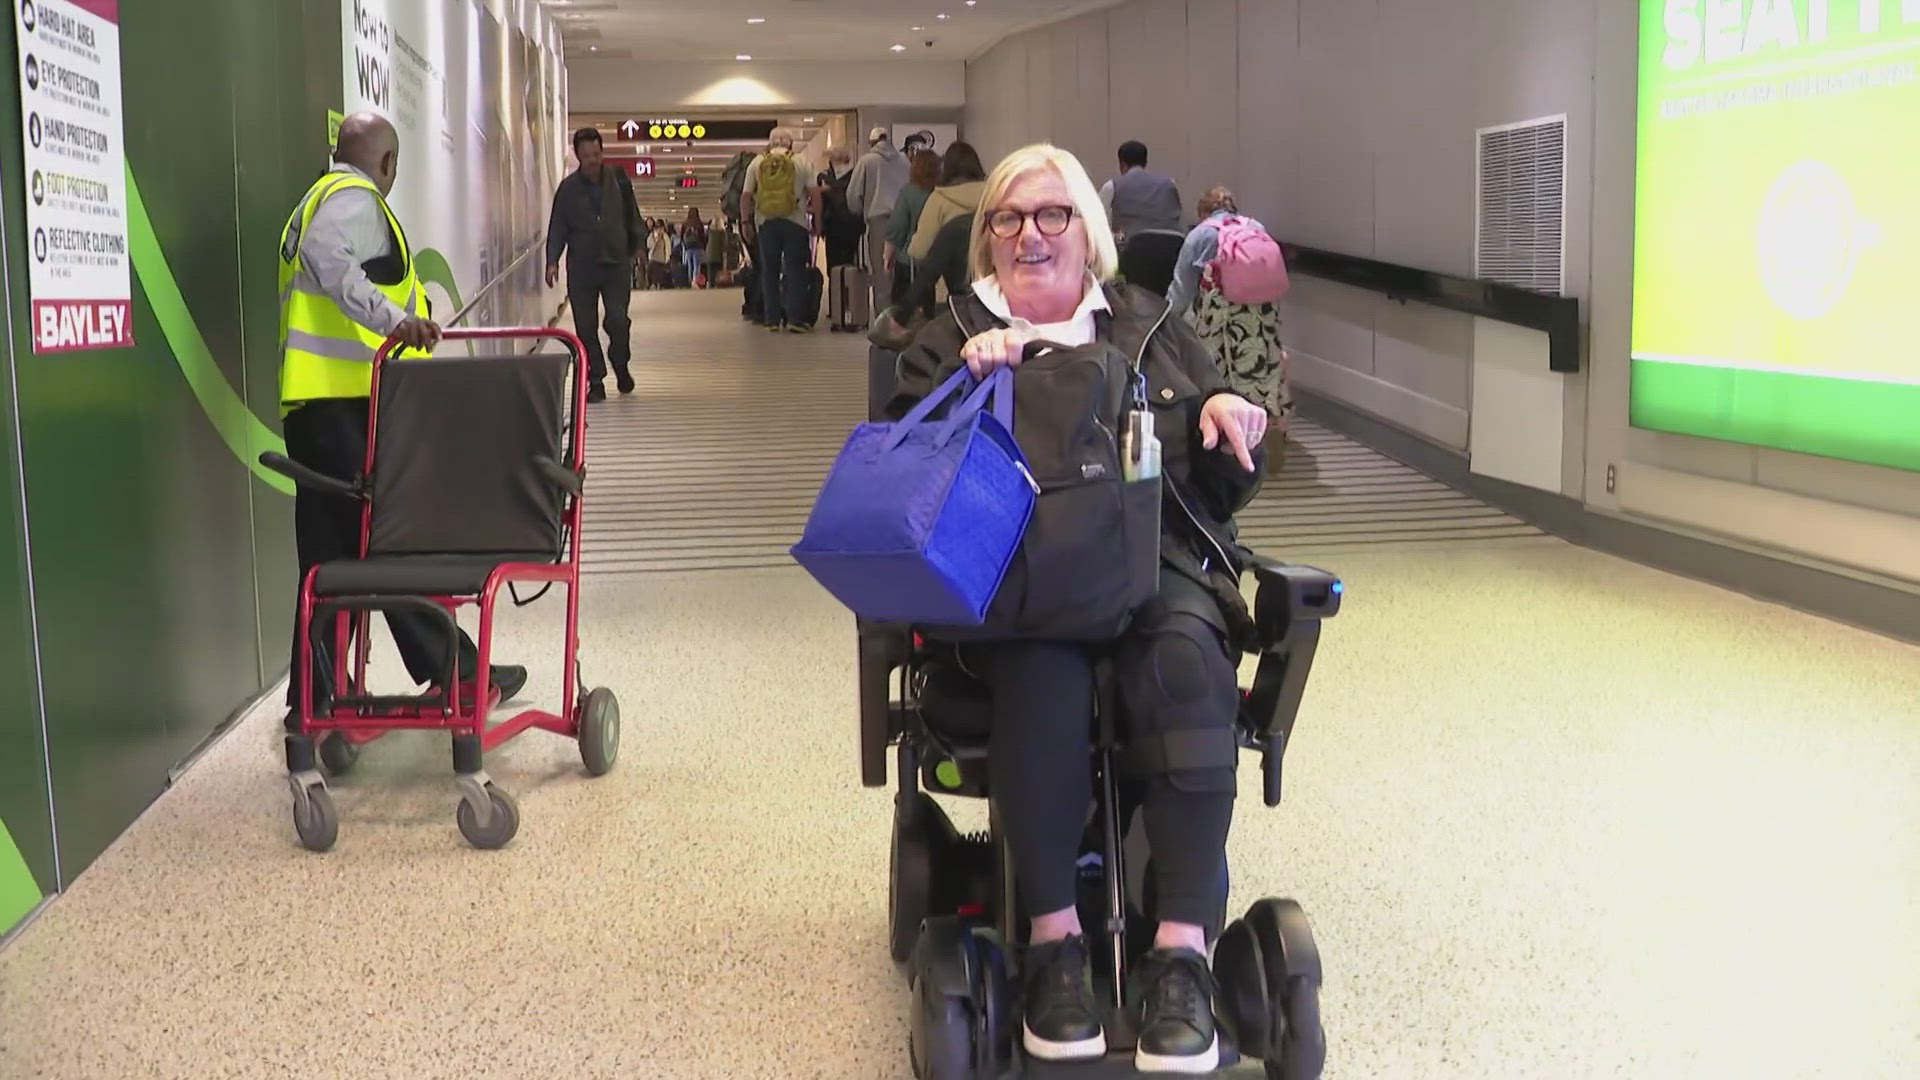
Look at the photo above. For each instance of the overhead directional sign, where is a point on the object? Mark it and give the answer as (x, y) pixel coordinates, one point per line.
(643, 167)
(630, 129)
(682, 130)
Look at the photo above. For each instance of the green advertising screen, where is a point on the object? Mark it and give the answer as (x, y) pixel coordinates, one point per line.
(1777, 233)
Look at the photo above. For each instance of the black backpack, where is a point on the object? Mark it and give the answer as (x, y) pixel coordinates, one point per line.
(733, 180)
(1091, 553)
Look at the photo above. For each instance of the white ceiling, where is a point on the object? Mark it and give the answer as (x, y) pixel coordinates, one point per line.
(717, 30)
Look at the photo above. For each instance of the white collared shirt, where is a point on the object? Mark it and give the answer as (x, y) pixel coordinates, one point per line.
(1077, 331)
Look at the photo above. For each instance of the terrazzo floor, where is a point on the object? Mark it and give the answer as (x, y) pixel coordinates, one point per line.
(1554, 815)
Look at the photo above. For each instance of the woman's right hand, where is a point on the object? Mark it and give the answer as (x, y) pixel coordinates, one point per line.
(995, 349)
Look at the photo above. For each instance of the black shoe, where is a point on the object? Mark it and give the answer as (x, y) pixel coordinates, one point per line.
(1177, 1032)
(503, 680)
(596, 394)
(624, 380)
(509, 679)
(1062, 1018)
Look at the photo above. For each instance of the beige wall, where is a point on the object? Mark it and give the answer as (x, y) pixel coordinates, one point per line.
(1349, 125)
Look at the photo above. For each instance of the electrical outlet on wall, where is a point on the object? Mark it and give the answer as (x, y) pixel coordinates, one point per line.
(1612, 476)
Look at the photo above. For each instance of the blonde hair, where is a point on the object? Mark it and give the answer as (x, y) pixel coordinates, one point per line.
(1217, 198)
(1103, 257)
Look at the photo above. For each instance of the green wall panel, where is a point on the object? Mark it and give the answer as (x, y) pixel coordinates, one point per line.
(162, 565)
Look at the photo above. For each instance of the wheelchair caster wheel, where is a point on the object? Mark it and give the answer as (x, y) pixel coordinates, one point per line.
(962, 1023)
(314, 818)
(338, 754)
(502, 820)
(599, 731)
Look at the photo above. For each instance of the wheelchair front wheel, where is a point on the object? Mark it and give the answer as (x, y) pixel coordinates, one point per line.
(314, 817)
(1293, 977)
(503, 820)
(599, 731)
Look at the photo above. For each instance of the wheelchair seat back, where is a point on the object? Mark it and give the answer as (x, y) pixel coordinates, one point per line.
(456, 452)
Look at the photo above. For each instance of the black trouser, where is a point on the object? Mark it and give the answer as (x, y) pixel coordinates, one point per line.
(330, 437)
(1175, 678)
(587, 289)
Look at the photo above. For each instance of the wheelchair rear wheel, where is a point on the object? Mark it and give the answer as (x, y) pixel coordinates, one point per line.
(916, 819)
(338, 754)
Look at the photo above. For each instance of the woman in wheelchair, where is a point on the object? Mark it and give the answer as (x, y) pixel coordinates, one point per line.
(1043, 259)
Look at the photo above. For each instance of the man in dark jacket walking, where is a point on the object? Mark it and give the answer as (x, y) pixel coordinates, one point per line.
(596, 222)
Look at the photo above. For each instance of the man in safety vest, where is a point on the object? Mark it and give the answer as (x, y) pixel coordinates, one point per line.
(347, 284)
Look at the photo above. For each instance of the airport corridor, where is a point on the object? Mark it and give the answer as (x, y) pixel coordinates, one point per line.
(1553, 814)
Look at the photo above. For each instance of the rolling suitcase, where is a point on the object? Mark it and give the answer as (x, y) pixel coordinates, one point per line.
(849, 301)
(814, 286)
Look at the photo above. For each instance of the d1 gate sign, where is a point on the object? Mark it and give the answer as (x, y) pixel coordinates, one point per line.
(640, 168)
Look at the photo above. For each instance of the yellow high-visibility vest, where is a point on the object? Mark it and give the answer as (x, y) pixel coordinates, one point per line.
(323, 352)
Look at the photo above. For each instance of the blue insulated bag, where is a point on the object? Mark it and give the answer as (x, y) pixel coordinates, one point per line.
(918, 521)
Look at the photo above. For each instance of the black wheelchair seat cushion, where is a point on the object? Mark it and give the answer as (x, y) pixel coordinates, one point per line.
(414, 575)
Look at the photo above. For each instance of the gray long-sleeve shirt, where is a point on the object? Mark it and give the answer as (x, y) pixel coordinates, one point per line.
(347, 231)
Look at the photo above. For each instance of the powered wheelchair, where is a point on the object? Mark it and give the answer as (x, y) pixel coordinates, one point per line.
(953, 914)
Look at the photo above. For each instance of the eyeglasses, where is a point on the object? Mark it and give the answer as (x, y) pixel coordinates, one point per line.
(1050, 220)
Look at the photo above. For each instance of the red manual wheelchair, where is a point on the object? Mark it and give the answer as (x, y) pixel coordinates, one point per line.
(474, 477)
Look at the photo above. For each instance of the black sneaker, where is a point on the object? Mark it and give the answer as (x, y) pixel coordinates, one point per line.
(1177, 1033)
(624, 380)
(509, 679)
(1062, 1018)
(596, 394)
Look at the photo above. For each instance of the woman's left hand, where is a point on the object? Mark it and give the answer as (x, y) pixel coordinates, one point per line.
(1241, 422)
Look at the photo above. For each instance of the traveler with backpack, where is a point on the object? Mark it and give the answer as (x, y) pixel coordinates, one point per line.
(1229, 280)
(1044, 260)
(842, 229)
(777, 196)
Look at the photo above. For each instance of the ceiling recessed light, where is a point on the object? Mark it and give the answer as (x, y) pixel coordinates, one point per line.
(743, 56)
(943, 15)
(755, 22)
(919, 28)
(970, 3)
(593, 48)
(899, 48)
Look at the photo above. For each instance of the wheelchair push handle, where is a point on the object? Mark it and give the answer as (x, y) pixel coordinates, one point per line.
(498, 333)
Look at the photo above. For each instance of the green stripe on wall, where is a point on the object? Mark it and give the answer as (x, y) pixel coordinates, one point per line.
(1872, 423)
(19, 893)
(239, 428)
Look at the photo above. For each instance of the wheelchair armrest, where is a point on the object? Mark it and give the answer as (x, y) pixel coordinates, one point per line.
(309, 478)
(884, 648)
(573, 483)
(1289, 593)
(1288, 609)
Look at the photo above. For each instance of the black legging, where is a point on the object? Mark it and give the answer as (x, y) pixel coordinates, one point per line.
(1174, 674)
